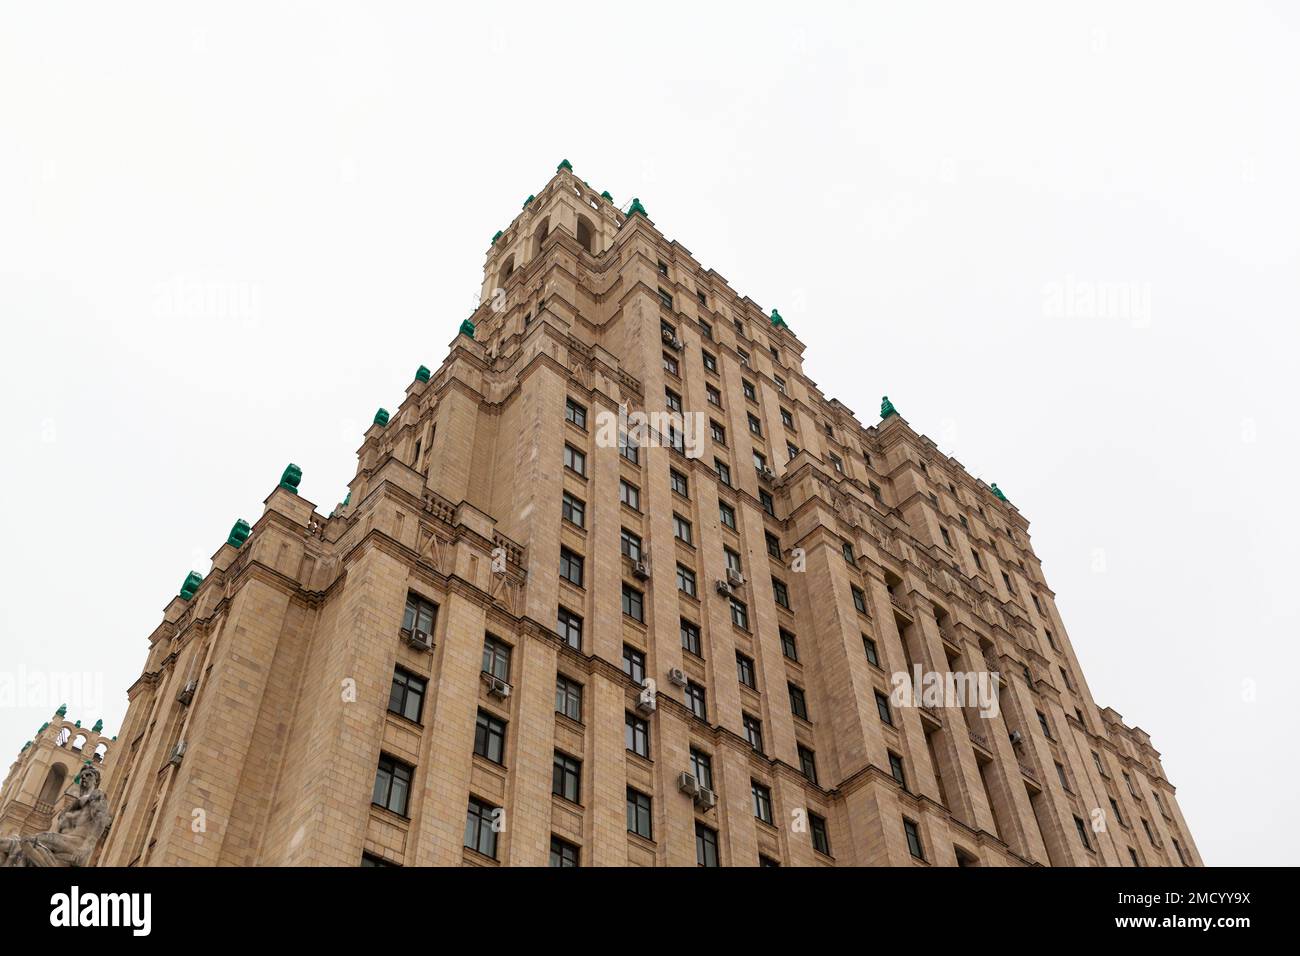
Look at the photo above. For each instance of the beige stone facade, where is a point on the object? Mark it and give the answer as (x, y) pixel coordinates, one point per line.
(887, 553)
(41, 780)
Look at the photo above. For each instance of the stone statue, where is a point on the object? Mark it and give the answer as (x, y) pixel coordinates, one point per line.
(76, 831)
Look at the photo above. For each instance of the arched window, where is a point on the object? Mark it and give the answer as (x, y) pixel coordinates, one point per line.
(586, 234)
(101, 752)
(539, 235)
(53, 786)
(62, 739)
(79, 742)
(507, 270)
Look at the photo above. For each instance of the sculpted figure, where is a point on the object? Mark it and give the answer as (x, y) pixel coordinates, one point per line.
(76, 831)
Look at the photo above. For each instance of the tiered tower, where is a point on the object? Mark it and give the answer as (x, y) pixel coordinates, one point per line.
(536, 633)
(43, 774)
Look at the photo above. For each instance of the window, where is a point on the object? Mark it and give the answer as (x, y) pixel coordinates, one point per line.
(767, 861)
(628, 449)
(575, 413)
(1050, 640)
(681, 528)
(638, 813)
(767, 503)
(947, 538)
(760, 460)
(745, 670)
(630, 544)
(739, 615)
(574, 509)
(480, 827)
(875, 491)
(976, 555)
(1083, 833)
(490, 737)
(420, 614)
(1129, 780)
(569, 626)
(1133, 856)
(710, 361)
(568, 697)
(732, 559)
(1042, 722)
(566, 777)
(882, 708)
(773, 544)
(679, 484)
(392, 785)
(1151, 837)
(762, 801)
(633, 603)
(780, 383)
(821, 839)
(702, 768)
(665, 298)
(695, 700)
(673, 400)
(787, 419)
(791, 450)
(896, 769)
(713, 395)
(754, 732)
(563, 853)
(727, 515)
(368, 860)
(913, 839)
(575, 460)
(748, 388)
(406, 698)
(846, 550)
(636, 734)
(686, 581)
(691, 638)
(571, 566)
(1096, 758)
(798, 701)
(1060, 775)
(873, 656)
(634, 664)
(629, 494)
(1114, 807)
(496, 658)
(706, 845)
(718, 433)
(781, 593)
(706, 329)
(1006, 581)
(808, 763)
(837, 464)
(859, 599)
(723, 470)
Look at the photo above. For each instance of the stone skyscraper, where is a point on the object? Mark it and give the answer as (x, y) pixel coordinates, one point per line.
(540, 630)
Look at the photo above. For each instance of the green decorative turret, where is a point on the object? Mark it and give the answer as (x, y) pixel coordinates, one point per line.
(76, 723)
(62, 711)
(44, 725)
(25, 746)
(564, 164)
(422, 374)
(381, 417)
(239, 533)
(530, 198)
(467, 328)
(290, 479)
(777, 321)
(496, 237)
(887, 407)
(636, 209)
(99, 726)
(606, 196)
(997, 492)
(192, 582)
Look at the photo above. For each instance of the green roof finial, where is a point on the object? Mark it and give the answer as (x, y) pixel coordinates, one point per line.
(564, 164)
(887, 407)
(191, 585)
(25, 746)
(381, 417)
(76, 723)
(347, 499)
(497, 236)
(777, 321)
(62, 711)
(997, 492)
(606, 196)
(43, 726)
(530, 198)
(467, 328)
(290, 479)
(422, 374)
(239, 533)
(636, 209)
(99, 726)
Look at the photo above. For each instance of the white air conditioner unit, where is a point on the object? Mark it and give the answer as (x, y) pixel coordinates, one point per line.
(688, 785)
(766, 473)
(677, 676)
(706, 799)
(1015, 738)
(420, 640)
(735, 578)
(496, 686)
(187, 692)
(178, 752)
(645, 704)
(672, 341)
(723, 588)
(641, 570)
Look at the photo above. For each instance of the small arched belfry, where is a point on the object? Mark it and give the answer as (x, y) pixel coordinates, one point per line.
(44, 772)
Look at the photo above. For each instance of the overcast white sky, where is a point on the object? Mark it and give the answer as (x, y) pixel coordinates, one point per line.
(227, 236)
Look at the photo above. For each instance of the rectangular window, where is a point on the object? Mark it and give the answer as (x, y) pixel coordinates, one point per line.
(702, 768)
(664, 298)
(739, 615)
(798, 701)
(773, 544)
(947, 538)
(490, 737)
(787, 419)
(846, 549)
(914, 846)
(636, 734)
(760, 460)
(875, 491)
(859, 599)
(781, 593)
(723, 470)
(706, 845)
(686, 581)
(896, 768)
(420, 614)
(1114, 805)
(575, 413)
(575, 460)
(791, 450)
(755, 426)
(976, 555)
(713, 395)
(696, 700)
(710, 361)
(406, 698)
(633, 603)
(638, 814)
(748, 388)
(630, 544)
(679, 484)
(1082, 830)
(496, 657)
(1042, 722)
(480, 827)
(634, 664)
(392, 785)
(563, 853)
(821, 838)
(745, 671)
(568, 698)
(762, 801)
(868, 645)
(780, 383)
(569, 626)
(706, 330)
(571, 566)
(691, 638)
(574, 509)
(671, 365)
(1060, 775)
(767, 503)
(627, 447)
(673, 400)
(808, 763)
(566, 778)
(727, 515)
(837, 464)
(682, 529)
(882, 708)
(753, 732)
(718, 433)
(629, 494)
